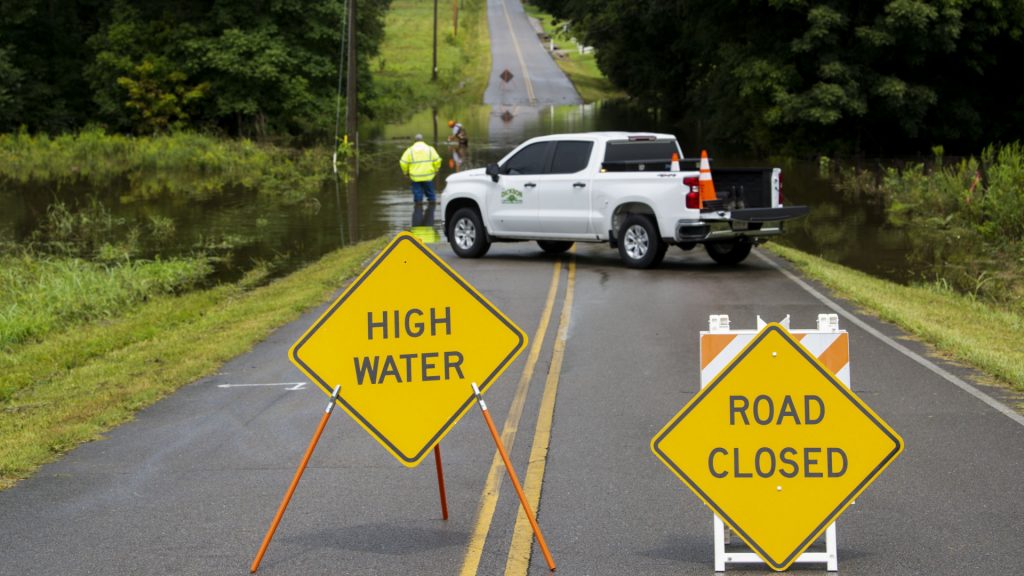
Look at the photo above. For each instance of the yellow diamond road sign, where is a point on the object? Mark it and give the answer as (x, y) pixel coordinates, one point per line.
(404, 341)
(777, 446)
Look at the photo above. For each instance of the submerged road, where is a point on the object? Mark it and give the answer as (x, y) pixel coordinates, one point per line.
(191, 485)
(522, 71)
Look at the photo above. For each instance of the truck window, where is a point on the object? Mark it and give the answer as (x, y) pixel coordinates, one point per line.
(571, 156)
(631, 155)
(529, 160)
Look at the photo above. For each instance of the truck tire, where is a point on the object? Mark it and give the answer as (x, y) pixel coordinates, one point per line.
(729, 253)
(554, 246)
(640, 246)
(467, 235)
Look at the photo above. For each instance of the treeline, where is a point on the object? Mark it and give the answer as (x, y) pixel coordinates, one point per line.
(250, 68)
(876, 76)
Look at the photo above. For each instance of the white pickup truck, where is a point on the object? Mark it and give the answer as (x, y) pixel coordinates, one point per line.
(614, 187)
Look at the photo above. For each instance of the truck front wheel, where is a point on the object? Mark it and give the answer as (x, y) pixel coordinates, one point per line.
(466, 235)
(640, 246)
(729, 253)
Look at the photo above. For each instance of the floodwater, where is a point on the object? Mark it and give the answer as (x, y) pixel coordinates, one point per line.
(241, 227)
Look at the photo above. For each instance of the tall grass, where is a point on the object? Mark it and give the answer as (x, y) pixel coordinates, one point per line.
(43, 294)
(186, 164)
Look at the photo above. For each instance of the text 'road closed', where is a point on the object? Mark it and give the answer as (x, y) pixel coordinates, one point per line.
(787, 461)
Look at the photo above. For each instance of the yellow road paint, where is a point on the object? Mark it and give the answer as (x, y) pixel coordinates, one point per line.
(492, 487)
(518, 563)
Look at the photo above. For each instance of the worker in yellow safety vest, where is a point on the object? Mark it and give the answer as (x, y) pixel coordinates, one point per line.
(420, 163)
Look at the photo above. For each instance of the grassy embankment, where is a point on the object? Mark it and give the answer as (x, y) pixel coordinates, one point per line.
(402, 70)
(581, 69)
(959, 326)
(966, 224)
(80, 381)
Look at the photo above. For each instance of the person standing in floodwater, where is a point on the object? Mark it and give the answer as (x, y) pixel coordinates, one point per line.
(460, 139)
(420, 163)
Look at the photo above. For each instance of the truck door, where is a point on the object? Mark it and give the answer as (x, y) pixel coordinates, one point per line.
(565, 191)
(512, 202)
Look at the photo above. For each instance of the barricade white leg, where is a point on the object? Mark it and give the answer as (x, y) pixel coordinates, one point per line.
(830, 548)
(719, 544)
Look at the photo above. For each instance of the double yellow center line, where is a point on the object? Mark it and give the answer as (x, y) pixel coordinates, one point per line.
(518, 561)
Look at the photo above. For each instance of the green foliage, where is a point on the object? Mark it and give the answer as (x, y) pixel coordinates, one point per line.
(158, 97)
(966, 218)
(884, 76)
(247, 68)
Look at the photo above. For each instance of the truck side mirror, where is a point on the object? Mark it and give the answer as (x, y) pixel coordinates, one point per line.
(492, 171)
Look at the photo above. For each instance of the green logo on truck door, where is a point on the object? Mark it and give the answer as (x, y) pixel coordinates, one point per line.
(511, 196)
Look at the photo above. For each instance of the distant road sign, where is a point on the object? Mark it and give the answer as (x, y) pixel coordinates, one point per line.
(777, 446)
(404, 341)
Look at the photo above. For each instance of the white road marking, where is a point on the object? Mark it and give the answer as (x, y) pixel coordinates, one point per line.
(291, 385)
(961, 384)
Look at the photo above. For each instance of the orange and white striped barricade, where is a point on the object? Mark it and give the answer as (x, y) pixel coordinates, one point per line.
(718, 347)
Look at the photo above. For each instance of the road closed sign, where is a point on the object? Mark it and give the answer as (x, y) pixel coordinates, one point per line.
(777, 446)
(404, 341)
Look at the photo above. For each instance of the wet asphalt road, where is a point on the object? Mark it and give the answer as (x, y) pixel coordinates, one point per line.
(191, 485)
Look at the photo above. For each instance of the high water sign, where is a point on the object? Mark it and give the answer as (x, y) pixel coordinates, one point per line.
(405, 340)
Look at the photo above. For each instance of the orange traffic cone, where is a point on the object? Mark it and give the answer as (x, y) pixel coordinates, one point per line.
(705, 184)
(675, 162)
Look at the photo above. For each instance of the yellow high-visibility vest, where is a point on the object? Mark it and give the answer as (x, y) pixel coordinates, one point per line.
(420, 162)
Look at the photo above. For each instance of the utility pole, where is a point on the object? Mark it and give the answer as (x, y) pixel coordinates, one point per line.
(433, 77)
(351, 94)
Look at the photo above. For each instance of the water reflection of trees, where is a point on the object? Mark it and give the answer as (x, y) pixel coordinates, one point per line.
(959, 220)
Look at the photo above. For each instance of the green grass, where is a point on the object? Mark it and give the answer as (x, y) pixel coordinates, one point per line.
(78, 383)
(963, 327)
(581, 69)
(41, 294)
(402, 70)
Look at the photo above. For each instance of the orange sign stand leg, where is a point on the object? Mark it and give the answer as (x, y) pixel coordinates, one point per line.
(515, 480)
(295, 482)
(440, 481)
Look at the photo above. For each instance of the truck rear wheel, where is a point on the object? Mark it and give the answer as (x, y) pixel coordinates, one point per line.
(554, 246)
(640, 246)
(466, 235)
(729, 253)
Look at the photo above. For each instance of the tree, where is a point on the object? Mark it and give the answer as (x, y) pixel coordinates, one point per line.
(245, 67)
(874, 75)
